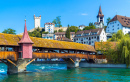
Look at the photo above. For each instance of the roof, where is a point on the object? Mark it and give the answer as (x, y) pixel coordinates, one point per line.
(125, 21)
(100, 14)
(25, 38)
(64, 39)
(49, 23)
(104, 45)
(99, 30)
(58, 33)
(12, 40)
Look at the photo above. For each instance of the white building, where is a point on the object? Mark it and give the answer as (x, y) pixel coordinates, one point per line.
(37, 21)
(48, 36)
(81, 27)
(100, 19)
(117, 23)
(90, 36)
(49, 27)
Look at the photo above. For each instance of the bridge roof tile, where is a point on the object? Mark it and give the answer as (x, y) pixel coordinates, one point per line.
(12, 40)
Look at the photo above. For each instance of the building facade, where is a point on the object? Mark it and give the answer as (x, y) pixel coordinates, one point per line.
(48, 36)
(49, 27)
(90, 36)
(117, 23)
(81, 27)
(100, 19)
(37, 21)
(62, 34)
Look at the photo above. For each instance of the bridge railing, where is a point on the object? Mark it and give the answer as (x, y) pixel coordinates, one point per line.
(62, 55)
(9, 55)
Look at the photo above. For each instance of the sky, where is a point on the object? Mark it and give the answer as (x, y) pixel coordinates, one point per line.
(72, 12)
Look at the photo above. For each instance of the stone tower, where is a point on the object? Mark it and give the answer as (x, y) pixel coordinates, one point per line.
(100, 16)
(37, 21)
(26, 44)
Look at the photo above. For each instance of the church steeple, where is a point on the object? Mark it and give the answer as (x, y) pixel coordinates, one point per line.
(100, 14)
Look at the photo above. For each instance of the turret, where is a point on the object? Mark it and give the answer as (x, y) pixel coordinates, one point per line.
(26, 44)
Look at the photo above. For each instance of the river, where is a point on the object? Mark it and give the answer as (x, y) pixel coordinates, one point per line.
(59, 73)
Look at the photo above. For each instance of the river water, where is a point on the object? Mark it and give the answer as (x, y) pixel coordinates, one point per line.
(59, 73)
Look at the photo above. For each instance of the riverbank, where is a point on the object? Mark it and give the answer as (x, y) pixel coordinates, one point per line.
(94, 65)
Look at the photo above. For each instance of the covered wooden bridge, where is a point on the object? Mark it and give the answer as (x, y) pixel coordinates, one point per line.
(18, 50)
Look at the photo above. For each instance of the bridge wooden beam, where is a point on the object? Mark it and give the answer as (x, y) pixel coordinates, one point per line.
(30, 61)
(11, 62)
(4, 62)
(72, 60)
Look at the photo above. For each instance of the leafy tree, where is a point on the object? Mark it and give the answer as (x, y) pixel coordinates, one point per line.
(67, 34)
(9, 31)
(55, 31)
(73, 29)
(60, 30)
(121, 52)
(91, 26)
(36, 33)
(57, 21)
(117, 36)
(108, 20)
(105, 28)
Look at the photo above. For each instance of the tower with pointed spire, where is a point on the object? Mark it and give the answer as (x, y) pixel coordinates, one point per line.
(26, 44)
(100, 19)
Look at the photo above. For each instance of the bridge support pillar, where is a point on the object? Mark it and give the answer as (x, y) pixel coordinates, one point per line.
(72, 63)
(17, 66)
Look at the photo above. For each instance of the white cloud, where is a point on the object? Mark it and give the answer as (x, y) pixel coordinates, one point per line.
(84, 14)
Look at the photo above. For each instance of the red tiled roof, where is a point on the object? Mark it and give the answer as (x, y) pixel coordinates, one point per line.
(125, 21)
(64, 39)
(25, 38)
(49, 23)
(57, 33)
(99, 30)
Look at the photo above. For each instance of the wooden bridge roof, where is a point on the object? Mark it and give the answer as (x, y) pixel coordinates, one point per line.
(12, 40)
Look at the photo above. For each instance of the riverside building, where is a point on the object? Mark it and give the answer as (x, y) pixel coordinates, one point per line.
(58, 35)
(117, 23)
(90, 36)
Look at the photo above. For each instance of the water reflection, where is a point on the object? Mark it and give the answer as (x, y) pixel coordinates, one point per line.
(58, 72)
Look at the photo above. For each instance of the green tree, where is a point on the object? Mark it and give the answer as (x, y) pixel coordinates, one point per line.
(117, 36)
(73, 29)
(36, 33)
(108, 20)
(60, 30)
(57, 21)
(9, 31)
(91, 26)
(67, 34)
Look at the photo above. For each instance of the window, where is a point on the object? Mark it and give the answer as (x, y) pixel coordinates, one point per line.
(92, 41)
(92, 37)
(118, 28)
(113, 26)
(113, 29)
(117, 24)
(95, 37)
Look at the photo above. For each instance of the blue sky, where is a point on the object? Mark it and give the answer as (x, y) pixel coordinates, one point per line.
(72, 12)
